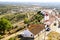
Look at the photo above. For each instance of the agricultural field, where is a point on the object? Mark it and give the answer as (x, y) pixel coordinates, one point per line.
(53, 36)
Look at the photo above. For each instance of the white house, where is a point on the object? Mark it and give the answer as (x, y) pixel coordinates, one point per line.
(34, 31)
(51, 20)
(27, 33)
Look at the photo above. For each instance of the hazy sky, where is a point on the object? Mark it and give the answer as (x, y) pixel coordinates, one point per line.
(30, 0)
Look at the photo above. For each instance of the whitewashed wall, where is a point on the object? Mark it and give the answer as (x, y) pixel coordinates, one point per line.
(27, 33)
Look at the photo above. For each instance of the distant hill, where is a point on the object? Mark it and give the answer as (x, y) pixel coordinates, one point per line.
(45, 5)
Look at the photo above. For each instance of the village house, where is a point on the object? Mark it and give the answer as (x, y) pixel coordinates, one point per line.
(51, 19)
(33, 32)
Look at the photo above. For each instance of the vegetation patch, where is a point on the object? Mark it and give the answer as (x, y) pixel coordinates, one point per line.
(53, 36)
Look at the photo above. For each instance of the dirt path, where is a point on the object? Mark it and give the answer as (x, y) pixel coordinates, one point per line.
(13, 35)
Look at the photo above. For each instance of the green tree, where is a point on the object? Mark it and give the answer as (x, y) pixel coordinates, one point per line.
(26, 21)
(39, 12)
(5, 25)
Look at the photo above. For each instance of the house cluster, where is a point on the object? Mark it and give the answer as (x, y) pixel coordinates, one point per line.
(51, 18)
(21, 9)
(35, 31)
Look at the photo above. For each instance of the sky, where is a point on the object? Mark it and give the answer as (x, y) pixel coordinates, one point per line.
(30, 0)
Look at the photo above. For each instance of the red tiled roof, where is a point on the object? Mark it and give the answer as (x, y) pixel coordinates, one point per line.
(36, 28)
(58, 16)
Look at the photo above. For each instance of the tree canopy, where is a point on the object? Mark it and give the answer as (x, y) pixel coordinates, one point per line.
(26, 20)
(5, 24)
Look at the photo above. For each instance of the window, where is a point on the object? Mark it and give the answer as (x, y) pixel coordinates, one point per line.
(59, 26)
(54, 24)
(47, 25)
(31, 35)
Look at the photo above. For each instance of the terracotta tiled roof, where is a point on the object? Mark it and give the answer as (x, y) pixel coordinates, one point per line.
(36, 28)
(58, 16)
(51, 18)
